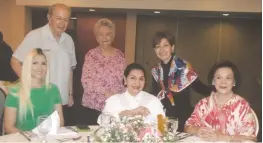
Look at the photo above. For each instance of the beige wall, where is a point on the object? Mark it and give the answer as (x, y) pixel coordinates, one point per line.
(15, 22)
(16, 19)
(195, 5)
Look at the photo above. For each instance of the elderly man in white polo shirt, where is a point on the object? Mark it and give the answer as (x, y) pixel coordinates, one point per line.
(58, 47)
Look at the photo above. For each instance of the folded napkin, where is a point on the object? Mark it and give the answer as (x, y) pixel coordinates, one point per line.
(65, 132)
(54, 117)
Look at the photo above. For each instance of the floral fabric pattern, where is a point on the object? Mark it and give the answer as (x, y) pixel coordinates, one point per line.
(181, 74)
(101, 74)
(235, 117)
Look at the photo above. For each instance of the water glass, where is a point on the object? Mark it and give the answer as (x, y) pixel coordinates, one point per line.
(172, 124)
(44, 123)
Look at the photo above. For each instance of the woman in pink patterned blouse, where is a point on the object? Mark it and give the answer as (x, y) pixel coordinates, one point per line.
(224, 115)
(102, 72)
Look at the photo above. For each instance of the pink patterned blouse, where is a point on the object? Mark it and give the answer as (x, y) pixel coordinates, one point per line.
(101, 74)
(235, 117)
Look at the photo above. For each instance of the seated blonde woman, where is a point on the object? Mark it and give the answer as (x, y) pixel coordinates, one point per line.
(224, 115)
(134, 101)
(32, 97)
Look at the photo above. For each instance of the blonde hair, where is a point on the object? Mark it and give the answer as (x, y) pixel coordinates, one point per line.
(104, 22)
(24, 91)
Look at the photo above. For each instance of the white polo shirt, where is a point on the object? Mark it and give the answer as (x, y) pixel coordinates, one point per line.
(60, 54)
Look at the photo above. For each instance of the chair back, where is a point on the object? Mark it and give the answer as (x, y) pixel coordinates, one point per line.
(257, 123)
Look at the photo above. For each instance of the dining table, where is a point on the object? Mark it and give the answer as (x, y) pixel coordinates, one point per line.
(84, 136)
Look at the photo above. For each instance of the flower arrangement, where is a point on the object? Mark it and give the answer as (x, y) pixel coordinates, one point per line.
(134, 129)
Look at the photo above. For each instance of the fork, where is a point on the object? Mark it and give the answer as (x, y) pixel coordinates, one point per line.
(184, 136)
(72, 129)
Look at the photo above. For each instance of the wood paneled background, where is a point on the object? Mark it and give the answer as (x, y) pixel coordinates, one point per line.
(204, 41)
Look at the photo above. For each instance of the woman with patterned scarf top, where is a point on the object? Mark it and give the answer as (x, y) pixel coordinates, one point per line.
(172, 79)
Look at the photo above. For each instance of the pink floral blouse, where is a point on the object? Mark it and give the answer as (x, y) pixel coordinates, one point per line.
(235, 117)
(101, 74)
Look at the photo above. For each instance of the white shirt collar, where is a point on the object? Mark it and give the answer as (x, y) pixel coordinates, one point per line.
(137, 97)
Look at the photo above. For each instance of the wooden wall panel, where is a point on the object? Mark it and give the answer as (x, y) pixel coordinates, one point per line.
(197, 42)
(242, 44)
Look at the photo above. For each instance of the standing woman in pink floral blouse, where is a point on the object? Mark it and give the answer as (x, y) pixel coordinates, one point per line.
(102, 72)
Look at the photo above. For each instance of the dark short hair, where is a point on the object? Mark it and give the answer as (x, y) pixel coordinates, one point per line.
(134, 66)
(225, 64)
(160, 35)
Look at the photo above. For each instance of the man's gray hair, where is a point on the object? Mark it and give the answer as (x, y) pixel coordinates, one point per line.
(53, 7)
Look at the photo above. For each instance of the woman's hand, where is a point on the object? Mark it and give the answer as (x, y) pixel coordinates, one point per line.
(207, 134)
(141, 110)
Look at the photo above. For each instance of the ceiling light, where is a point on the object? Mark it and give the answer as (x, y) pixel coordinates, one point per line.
(91, 9)
(156, 12)
(73, 18)
(225, 14)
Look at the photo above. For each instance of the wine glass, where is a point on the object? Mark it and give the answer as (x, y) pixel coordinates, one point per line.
(172, 124)
(44, 123)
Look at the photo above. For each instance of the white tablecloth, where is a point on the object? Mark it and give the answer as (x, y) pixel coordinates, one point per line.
(17, 137)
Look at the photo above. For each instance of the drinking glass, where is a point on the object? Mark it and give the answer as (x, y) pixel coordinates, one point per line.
(172, 124)
(44, 123)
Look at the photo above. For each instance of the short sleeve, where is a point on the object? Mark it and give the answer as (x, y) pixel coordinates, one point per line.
(55, 94)
(11, 101)
(29, 42)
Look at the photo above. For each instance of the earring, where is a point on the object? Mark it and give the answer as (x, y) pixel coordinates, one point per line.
(234, 85)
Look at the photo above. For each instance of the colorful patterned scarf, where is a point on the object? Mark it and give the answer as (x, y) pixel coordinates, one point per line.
(180, 76)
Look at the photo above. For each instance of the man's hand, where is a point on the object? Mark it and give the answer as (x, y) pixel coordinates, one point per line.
(70, 100)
